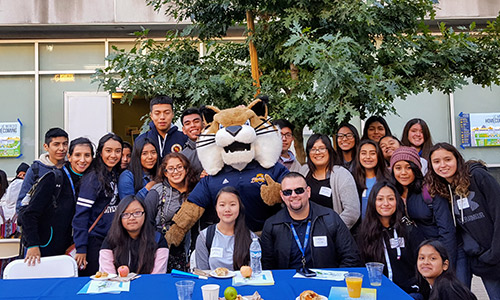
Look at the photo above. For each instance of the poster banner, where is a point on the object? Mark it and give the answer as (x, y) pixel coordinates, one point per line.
(10, 139)
(479, 130)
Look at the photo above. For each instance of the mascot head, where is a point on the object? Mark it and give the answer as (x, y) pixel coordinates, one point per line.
(236, 136)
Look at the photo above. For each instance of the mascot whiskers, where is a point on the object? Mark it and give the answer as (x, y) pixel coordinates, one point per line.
(239, 148)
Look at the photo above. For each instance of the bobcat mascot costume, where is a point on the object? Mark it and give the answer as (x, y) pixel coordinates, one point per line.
(239, 148)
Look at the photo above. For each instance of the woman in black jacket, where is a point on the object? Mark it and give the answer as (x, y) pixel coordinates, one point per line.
(387, 236)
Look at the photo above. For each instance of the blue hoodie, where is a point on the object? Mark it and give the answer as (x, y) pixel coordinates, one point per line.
(174, 140)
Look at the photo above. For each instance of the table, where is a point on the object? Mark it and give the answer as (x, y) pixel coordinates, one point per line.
(156, 287)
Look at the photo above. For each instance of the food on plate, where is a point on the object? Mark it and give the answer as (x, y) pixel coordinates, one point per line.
(309, 295)
(230, 293)
(123, 271)
(246, 271)
(221, 271)
(101, 275)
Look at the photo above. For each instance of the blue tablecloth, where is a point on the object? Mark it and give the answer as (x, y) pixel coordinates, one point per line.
(156, 287)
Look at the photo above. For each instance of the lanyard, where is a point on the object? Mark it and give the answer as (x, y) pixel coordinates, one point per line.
(70, 180)
(306, 239)
(386, 254)
(162, 144)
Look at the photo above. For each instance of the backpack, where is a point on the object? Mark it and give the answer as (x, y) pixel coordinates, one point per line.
(58, 178)
(210, 237)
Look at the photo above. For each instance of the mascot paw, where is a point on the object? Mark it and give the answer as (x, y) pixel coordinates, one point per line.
(270, 193)
(174, 235)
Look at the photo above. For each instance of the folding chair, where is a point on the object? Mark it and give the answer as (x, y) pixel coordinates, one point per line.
(49, 267)
(9, 248)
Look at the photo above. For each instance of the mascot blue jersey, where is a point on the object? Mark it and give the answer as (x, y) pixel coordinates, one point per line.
(245, 182)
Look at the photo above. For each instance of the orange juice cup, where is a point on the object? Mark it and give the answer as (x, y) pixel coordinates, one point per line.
(353, 281)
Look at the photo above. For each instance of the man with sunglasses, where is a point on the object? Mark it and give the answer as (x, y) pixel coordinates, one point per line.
(304, 234)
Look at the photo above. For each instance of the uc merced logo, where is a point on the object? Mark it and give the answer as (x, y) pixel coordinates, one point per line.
(259, 178)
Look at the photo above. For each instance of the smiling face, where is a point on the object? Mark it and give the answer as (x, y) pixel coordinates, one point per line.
(416, 136)
(175, 171)
(319, 154)
(133, 224)
(286, 139)
(387, 145)
(430, 263)
(111, 153)
(81, 158)
(345, 139)
(385, 203)
(162, 115)
(403, 173)
(375, 131)
(444, 164)
(126, 154)
(57, 149)
(228, 208)
(296, 204)
(148, 157)
(368, 156)
(192, 126)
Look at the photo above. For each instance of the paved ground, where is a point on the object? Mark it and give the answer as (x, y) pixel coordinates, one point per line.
(478, 288)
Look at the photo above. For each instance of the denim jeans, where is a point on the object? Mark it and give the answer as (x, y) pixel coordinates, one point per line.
(463, 269)
(492, 288)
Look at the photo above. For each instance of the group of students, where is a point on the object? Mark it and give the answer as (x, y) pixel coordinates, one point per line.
(117, 204)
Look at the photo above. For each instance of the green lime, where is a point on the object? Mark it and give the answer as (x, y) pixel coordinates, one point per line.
(230, 293)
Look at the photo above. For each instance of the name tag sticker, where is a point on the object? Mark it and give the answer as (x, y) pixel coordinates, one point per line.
(320, 241)
(216, 252)
(364, 193)
(399, 242)
(463, 203)
(325, 191)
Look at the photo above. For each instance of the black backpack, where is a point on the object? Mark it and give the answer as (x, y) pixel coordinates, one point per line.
(210, 237)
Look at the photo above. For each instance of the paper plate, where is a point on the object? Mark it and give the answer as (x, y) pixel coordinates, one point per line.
(103, 278)
(321, 297)
(229, 274)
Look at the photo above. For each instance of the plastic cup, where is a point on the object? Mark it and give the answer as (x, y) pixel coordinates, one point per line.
(185, 289)
(375, 271)
(353, 281)
(210, 291)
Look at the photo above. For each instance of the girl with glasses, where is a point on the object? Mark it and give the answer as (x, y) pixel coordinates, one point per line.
(176, 179)
(346, 143)
(331, 184)
(133, 242)
(138, 178)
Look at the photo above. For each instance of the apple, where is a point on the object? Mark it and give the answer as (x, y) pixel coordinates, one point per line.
(123, 271)
(246, 271)
(230, 293)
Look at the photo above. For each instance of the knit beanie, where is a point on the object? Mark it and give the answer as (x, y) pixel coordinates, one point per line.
(23, 167)
(406, 153)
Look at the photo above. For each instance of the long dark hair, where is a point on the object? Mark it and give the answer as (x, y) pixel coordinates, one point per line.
(461, 178)
(190, 180)
(447, 281)
(100, 168)
(120, 242)
(426, 146)
(333, 157)
(415, 187)
(359, 172)
(3, 183)
(371, 232)
(242, 238)
(356, 140)
(135, 165)
(371, 120)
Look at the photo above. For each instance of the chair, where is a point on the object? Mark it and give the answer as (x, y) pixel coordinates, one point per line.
(49, 267)
(9, 248)
(192, 261)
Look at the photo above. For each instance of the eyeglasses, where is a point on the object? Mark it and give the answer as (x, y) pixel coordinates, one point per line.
(287, 136)
(348, 136)
(171, 170)
(298, 191)
(318, 150)
(136, 214)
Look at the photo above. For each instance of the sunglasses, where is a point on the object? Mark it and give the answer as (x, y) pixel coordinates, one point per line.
(298, 191)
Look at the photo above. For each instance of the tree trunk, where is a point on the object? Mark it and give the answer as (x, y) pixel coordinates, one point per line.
(254, 60)
(298, 144)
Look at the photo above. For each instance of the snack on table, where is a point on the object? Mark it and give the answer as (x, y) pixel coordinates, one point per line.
(309, 295)
(221, 271)
(101, 274)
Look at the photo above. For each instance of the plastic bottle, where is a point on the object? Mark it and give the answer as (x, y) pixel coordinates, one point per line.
(255, 256)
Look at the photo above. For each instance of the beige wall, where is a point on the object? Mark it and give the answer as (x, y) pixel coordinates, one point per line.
(458, 9)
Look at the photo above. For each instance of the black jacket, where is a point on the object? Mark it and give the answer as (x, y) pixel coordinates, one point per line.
(434, 221)
(479, 223)
(174, 140)
(47, 225)
(277, 240)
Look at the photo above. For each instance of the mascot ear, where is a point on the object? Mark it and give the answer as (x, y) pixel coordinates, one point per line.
(259, 106)
(208, 113)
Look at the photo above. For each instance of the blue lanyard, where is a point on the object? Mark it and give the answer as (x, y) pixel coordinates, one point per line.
(306, 239)
(70, 180)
